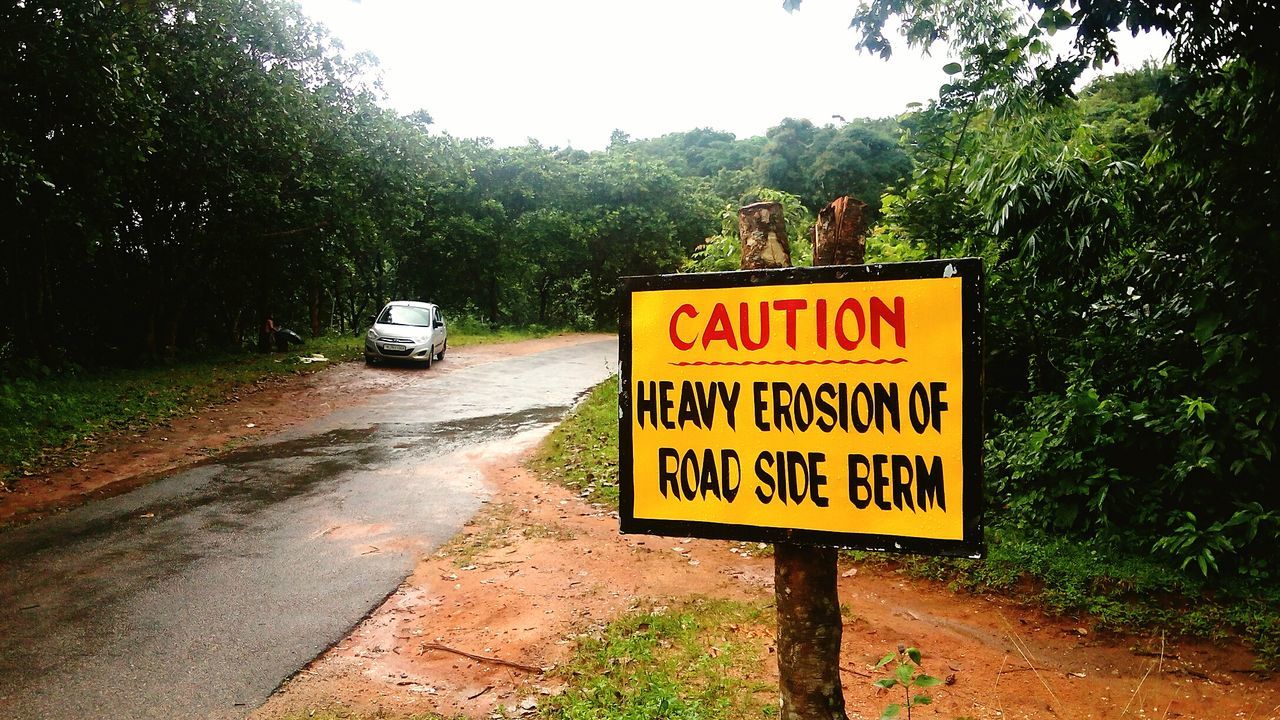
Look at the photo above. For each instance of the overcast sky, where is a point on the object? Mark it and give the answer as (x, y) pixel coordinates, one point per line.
(569, 72)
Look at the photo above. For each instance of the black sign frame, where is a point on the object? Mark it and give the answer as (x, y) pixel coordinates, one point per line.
(970, 271)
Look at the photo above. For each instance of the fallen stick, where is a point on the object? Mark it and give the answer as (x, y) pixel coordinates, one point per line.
(481, 658)
(1155, 654)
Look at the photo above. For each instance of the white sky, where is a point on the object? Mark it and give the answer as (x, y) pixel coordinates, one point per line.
(568, 72)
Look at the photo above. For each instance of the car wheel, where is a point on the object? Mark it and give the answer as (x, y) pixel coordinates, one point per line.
(430, 358)
(368, 359)
(440, 355)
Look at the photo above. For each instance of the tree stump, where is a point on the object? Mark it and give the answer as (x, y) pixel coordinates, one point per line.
(763, 232)
(839, 236)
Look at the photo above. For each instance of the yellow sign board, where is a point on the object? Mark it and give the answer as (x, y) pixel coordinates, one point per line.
(835, 405)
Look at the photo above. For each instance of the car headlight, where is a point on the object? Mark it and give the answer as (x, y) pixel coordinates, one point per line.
(371, 334)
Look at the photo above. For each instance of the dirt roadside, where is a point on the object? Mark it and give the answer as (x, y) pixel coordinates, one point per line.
(125, 461)
(541, 567)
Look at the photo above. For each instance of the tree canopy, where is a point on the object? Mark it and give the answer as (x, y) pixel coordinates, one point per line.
(1130, 252)
(173, 170)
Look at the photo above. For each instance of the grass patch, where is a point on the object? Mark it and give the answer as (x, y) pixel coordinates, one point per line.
(492, 530)
(469, 331)
(1119, 590)
(547, 531)
(582, 452)
(692, 661)
(497, 528)
(50, 417)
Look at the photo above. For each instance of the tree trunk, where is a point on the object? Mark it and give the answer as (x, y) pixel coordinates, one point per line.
(380, 295)
(763, 232)
(172, 324)
(840, 233)
(353, 311)
(809, 632)
(152, 341)
(809, 624)
(235, 335)
(493, 298)
(544, 291)
(315, 310)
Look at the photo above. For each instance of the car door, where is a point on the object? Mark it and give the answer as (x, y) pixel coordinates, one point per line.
(440, 336)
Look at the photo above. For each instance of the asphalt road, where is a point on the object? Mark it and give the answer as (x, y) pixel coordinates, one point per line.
(197, 595)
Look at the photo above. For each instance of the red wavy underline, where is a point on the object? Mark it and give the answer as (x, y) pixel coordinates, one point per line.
(700, 363)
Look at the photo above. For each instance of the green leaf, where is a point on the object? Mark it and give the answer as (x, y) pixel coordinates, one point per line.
(925, 681)
(886, 660)
(885, 683)
(921, 700)
(892, 711)
(914, 654)
(1206, 324)
(952, 68)
(903, 673)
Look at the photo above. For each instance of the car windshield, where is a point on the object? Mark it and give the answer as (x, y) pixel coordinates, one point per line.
(405, 315)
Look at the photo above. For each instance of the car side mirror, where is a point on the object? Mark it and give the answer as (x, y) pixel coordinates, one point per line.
(439, 323)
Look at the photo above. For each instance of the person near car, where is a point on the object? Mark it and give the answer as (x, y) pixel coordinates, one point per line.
(267, 337)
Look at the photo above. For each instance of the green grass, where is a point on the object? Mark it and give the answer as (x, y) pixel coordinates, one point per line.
(469, 331)
(582, 452)
(49, 417)
(684, 662)
(692, 661)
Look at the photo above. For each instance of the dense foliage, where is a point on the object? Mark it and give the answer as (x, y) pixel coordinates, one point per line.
(174, 170)
(816, 164)
(1131, 251)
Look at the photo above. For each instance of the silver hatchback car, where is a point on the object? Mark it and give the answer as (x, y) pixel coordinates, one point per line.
(407, 330)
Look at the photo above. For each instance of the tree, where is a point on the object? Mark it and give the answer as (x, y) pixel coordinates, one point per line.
(1129, 259)
(860, 158)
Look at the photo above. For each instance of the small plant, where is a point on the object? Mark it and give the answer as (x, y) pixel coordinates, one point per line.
(1227, 538)
(908, 674)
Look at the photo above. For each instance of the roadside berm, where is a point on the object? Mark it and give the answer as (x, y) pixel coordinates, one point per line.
(488, 627)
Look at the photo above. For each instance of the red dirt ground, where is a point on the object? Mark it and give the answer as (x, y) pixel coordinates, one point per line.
(541, 566)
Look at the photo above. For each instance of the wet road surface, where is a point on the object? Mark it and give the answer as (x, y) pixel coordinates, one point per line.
(196, 595)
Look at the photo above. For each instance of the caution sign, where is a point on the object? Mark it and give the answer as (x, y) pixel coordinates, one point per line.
(834, 405)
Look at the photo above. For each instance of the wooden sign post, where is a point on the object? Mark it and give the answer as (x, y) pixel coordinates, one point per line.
(804, 577)
(808, 407)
